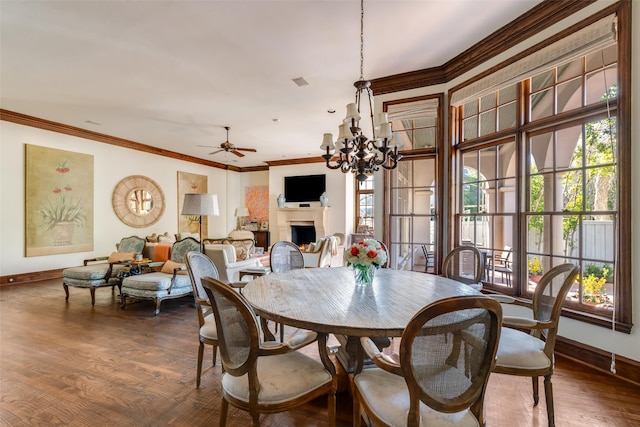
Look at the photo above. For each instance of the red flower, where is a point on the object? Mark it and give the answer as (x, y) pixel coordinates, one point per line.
(62, 169)
(354, 251)
(57, 190)
(372, 253)
(67, 188)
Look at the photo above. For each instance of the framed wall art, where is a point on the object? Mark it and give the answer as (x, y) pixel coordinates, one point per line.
(58, 201)
(191, 183)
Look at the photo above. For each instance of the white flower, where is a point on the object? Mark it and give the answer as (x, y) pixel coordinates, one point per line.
(366, 252)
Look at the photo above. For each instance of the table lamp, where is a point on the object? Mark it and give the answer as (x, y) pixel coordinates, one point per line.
(200, 204)
(241, 213)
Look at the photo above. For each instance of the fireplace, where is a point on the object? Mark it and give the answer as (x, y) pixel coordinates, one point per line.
(303, 234)
(316, 218)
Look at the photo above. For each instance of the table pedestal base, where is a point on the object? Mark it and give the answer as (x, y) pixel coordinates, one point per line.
(348, 351)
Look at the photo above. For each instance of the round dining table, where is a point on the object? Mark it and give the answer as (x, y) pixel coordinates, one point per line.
(327, 300)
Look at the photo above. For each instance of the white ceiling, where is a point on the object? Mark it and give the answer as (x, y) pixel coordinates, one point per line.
(172, 74)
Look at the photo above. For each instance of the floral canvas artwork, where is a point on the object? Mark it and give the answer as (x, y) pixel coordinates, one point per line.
(256, 198)
(58, 201)
(191, 183)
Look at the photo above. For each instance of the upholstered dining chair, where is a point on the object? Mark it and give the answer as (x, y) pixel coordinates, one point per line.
(171, 282)
(199, 266)
(422, 385)
(102, 271)
(285, 256)
(264, 377)
(464, 264)
(531, 354)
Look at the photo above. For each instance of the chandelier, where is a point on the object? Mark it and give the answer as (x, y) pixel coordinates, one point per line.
(357, 153)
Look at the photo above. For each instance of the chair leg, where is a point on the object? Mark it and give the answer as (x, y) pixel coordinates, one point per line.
(224, 407)
(215, 350)
(157, 310)
(331, 403)
(200, 355)
(66, 291)
(124, 301)
(357, 416)
(93, 295)
(548, 395)
(536, 395)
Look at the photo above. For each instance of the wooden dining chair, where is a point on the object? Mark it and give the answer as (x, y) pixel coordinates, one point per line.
(423, 386)
(264, 377)
(531, 354)
(199, 266)
(464, 264)
(285, 256)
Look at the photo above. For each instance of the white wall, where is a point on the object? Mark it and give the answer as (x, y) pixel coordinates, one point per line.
(627, 345)
(340, 190)
(111, 164)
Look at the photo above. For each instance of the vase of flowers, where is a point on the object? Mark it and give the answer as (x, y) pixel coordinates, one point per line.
(535, 269)
(365, 258)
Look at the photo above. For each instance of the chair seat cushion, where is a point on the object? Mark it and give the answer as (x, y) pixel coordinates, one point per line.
(388, 397)
(208, 330)
(520, 350)
(86, 272)
(81, 283)
(282, 377)
(156, 281)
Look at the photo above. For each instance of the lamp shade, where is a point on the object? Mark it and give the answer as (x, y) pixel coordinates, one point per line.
(200, 204)
(242, 212)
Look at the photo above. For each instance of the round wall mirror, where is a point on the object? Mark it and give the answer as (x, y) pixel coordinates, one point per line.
(138, 201)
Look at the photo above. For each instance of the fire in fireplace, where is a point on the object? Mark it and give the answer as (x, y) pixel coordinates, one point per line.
(303, 234)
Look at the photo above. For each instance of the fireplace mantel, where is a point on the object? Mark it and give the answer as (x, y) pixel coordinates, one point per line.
(316, 216)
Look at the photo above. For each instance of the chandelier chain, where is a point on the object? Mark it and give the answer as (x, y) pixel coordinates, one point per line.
(361, 39)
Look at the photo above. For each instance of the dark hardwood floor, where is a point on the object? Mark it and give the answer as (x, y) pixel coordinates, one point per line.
(68, 363)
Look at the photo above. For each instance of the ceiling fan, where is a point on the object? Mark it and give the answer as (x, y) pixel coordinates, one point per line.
(229, 147)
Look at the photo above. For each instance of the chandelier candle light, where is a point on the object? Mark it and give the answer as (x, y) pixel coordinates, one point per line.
(356, 152)
(365, 258)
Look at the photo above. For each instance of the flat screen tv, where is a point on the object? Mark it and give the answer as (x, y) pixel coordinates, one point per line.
(305, 188)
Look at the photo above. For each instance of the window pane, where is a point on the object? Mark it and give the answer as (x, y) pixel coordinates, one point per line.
(422, 201)
(541, 149)
(424, 171)
(507, 94)
(471, 200)
(600, 142)
(506, 195)
(470, 128)
(536, 193)
(541, 104)
(488, 102)
(571, 235)
(470, 164)
(570, 70)
(425, 122)
(569, 148)
(572, 197)
(601, 58)
(506, 160)
(542, 80)
(600, 82)
(488, 122)
(424, 138)
(487, 163)
(598, 240)
(507, 116)
(569, 95)
(601, 189)
(470, 109)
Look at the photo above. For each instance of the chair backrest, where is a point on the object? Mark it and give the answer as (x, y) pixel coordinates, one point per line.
(386, 264)
(505, 256)
(238, 330)
(133, 244)
(180, 248)
(464, 264)
(445, 383)
(285, 256)
(242, 234)
(548, 298)
(199, 266)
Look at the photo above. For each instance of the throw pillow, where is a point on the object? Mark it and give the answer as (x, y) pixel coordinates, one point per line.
(120, 256)
(169, 266)
(153, 238)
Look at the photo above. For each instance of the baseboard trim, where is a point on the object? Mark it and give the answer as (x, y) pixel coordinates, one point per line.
(36, 276)
(626, 369)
